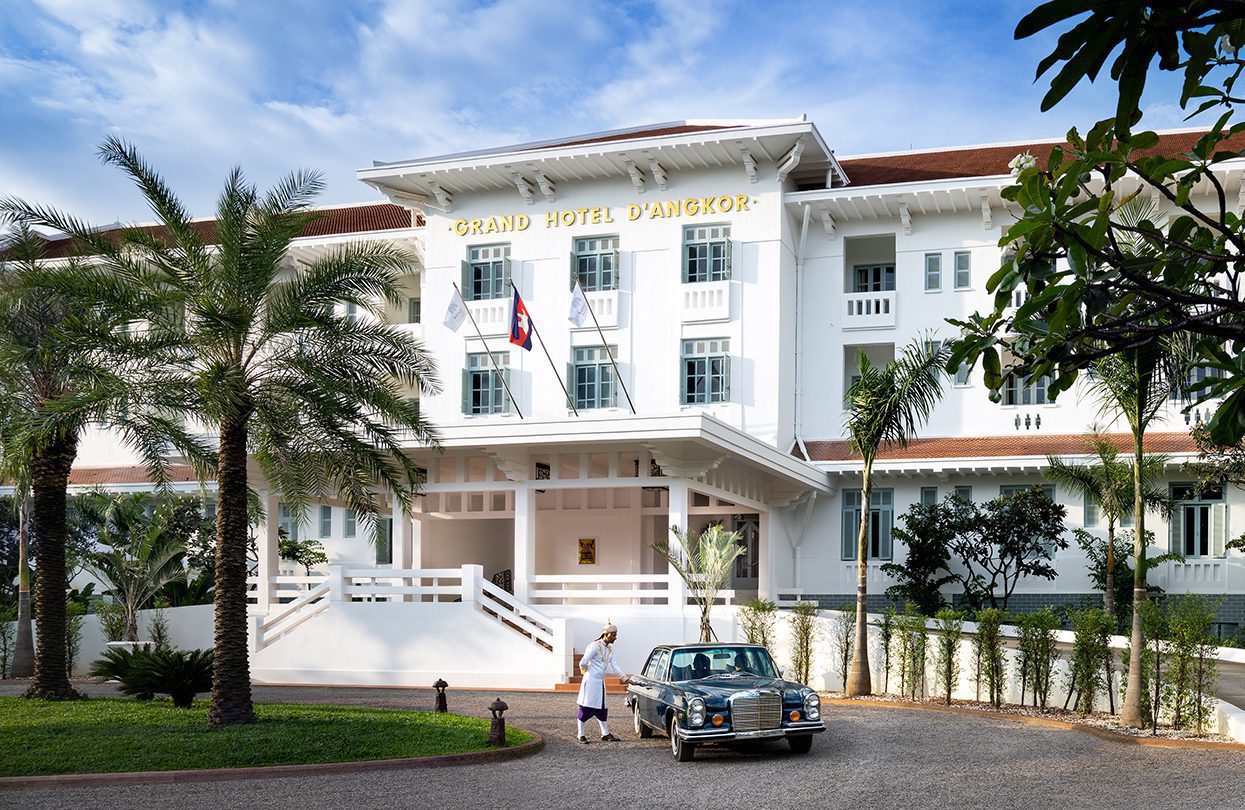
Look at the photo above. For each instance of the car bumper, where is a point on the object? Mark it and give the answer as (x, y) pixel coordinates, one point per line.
(801, 728)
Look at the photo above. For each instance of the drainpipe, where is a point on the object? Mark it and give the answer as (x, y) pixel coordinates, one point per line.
(799, 335)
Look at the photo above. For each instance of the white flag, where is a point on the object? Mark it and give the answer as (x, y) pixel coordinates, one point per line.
(456, 313)
(579, 306)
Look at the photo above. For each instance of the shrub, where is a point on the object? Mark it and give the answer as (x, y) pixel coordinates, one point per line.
(1192, 668)
(886, 634)
(74, 611)
(158, 627)
(1090, 653)
(756, 619)
(1038, 654)
(803, 636)
(950, 631)
(8, 629)
(111, 618)
(991, 666)
(180, 674)
(843, 637)
(912, 645)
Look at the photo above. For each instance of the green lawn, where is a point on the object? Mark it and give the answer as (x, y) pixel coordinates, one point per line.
(105, 735)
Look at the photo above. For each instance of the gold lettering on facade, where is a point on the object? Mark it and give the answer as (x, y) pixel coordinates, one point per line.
(706, 205)
(691, 206)
(601, 215)
(633, 212)
(725, 204)
(674, 208)
(741, 202)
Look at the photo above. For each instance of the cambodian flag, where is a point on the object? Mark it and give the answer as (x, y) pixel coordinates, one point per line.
(520, 323)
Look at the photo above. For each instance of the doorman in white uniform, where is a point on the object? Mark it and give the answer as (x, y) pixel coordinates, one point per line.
(598, 661)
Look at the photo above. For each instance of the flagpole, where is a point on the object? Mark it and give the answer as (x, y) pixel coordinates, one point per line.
(500, 376)
(545, 349)
(605, 344)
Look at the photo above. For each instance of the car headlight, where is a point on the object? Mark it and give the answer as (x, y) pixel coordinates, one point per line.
(812, 706)
(696, 712)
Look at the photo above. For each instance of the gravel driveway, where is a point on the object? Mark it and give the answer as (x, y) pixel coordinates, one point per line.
(871, 757)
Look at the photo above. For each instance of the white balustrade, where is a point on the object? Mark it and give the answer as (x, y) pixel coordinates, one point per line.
(707, 301)
(604, 305)
(869, 310)
(491, 315)
(616, 589)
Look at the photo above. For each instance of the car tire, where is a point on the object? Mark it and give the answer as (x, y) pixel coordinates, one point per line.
(641, 728)
(682, 749)
(801, 744)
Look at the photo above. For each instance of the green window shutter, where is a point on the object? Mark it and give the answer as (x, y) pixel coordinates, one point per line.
(1218, 529)
(505, 277)
(682, 381)
(886, 523)
(466, 280)
(617, 269)
(466, 390)
(851, 529)
(726, 378)
(570, 381)
(730, 251)
(1175, 532)
(505, 376)
(574, 270)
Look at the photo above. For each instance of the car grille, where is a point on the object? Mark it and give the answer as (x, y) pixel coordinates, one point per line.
(756, 712)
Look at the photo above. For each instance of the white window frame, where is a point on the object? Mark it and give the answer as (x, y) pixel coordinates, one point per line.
(881, 505)
(594, 262)
(594, 359)
(705, 371)
(477, 367)
(965, 281)
(933, 272)
(493, 260)
(708, 247)
(326, 521)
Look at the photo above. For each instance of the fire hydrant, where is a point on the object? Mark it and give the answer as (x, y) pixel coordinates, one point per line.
(440, 687)
(497, 731)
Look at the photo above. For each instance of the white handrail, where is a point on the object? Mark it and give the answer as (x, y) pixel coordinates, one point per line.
(597, 578)
(275, 618)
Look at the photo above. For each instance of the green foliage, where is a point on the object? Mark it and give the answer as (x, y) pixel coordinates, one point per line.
(1188, 690)
(912, 641)
(74, 613)
(886, 635)
(180, 674)
(842, 637)
(1095, 549)
(991, 663)
(928, 532)
(705, 564)
(307, 553)
(158, 627)
(950, 626)
(113, 665)
(1153, 661)
(111, 617)
(8, 632)
(803, 638)
(1038, 653)
(756, 619)
(107, 735)
(1090, 654)
(888, 404)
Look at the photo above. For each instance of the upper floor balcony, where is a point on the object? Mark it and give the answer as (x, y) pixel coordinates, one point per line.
(869, 310)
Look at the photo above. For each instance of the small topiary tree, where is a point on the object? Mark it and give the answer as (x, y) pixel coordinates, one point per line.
(842, 636)
(74, 611)
(756, 619)
(111, 618)
(803, 637)
(1090, 651)
(913, 644)
(950, 623)
(886, 634)
(1038, 654)
(988, 650)
(158, 627)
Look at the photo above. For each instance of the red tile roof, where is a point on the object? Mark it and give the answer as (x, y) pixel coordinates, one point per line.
(638, 134)
(1023, 445)
(983, 161)
(329, 222)
(103, 476)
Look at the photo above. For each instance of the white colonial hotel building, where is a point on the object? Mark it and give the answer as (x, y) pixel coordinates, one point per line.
(735, 269)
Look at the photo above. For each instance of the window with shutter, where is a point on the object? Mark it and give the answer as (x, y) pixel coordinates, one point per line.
(486, 272)
(706, 371)
(1219, 529)
(706, 253)
(881, 523)
(595, 263)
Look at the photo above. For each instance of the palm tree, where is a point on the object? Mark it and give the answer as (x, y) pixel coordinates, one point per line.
(1136, 383)
(705, 565)
(64, 364)
(143, 555)
(1108, 483)
(256, 347)
(16, 471)
(886, 406)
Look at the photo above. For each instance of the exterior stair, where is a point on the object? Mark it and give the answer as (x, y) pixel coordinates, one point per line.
(613, 686)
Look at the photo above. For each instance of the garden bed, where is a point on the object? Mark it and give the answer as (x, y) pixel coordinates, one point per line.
(1097, 720)
(108, 735)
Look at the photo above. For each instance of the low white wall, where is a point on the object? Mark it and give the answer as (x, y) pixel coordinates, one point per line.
(189, 628)
(827, 676)
(640, 629)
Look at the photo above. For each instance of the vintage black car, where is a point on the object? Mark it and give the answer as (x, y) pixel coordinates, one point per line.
(721, 693)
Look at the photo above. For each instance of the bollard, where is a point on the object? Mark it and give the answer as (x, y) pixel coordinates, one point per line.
(497, 731)
(440, 687)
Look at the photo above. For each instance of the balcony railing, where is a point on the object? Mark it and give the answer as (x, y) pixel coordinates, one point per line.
(707, 301)
(870, 310)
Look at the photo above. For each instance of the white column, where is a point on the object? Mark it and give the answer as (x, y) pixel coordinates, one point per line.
(401, 541)
(417, 540)
(524, 539)
(677, 517)
(269, 560)
(766, 586)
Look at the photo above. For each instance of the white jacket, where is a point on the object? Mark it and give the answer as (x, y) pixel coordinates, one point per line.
(598, 661)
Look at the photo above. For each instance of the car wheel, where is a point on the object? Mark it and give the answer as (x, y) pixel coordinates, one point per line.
(641, 728)
(801, 744)
(682, 749)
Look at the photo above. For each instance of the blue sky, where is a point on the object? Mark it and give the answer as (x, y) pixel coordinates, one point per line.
(332, 85)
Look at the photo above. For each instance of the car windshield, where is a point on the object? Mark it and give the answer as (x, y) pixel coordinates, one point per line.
(707, 662)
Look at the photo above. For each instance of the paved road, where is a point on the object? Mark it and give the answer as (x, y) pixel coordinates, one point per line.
(871, 757)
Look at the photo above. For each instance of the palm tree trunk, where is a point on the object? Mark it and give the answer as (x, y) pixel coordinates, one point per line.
(858, 679)
(49, 480)
(24, 645)
(231, 674)
(1130, 712)
(1108, 596)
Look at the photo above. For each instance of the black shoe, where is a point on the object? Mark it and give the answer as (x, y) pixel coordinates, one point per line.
(583, 740)
(610, 738)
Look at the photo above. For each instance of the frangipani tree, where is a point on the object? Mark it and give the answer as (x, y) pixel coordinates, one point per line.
(705, 565)
(886, 405)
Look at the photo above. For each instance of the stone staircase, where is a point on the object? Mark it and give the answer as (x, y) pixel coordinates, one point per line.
(613, 686)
